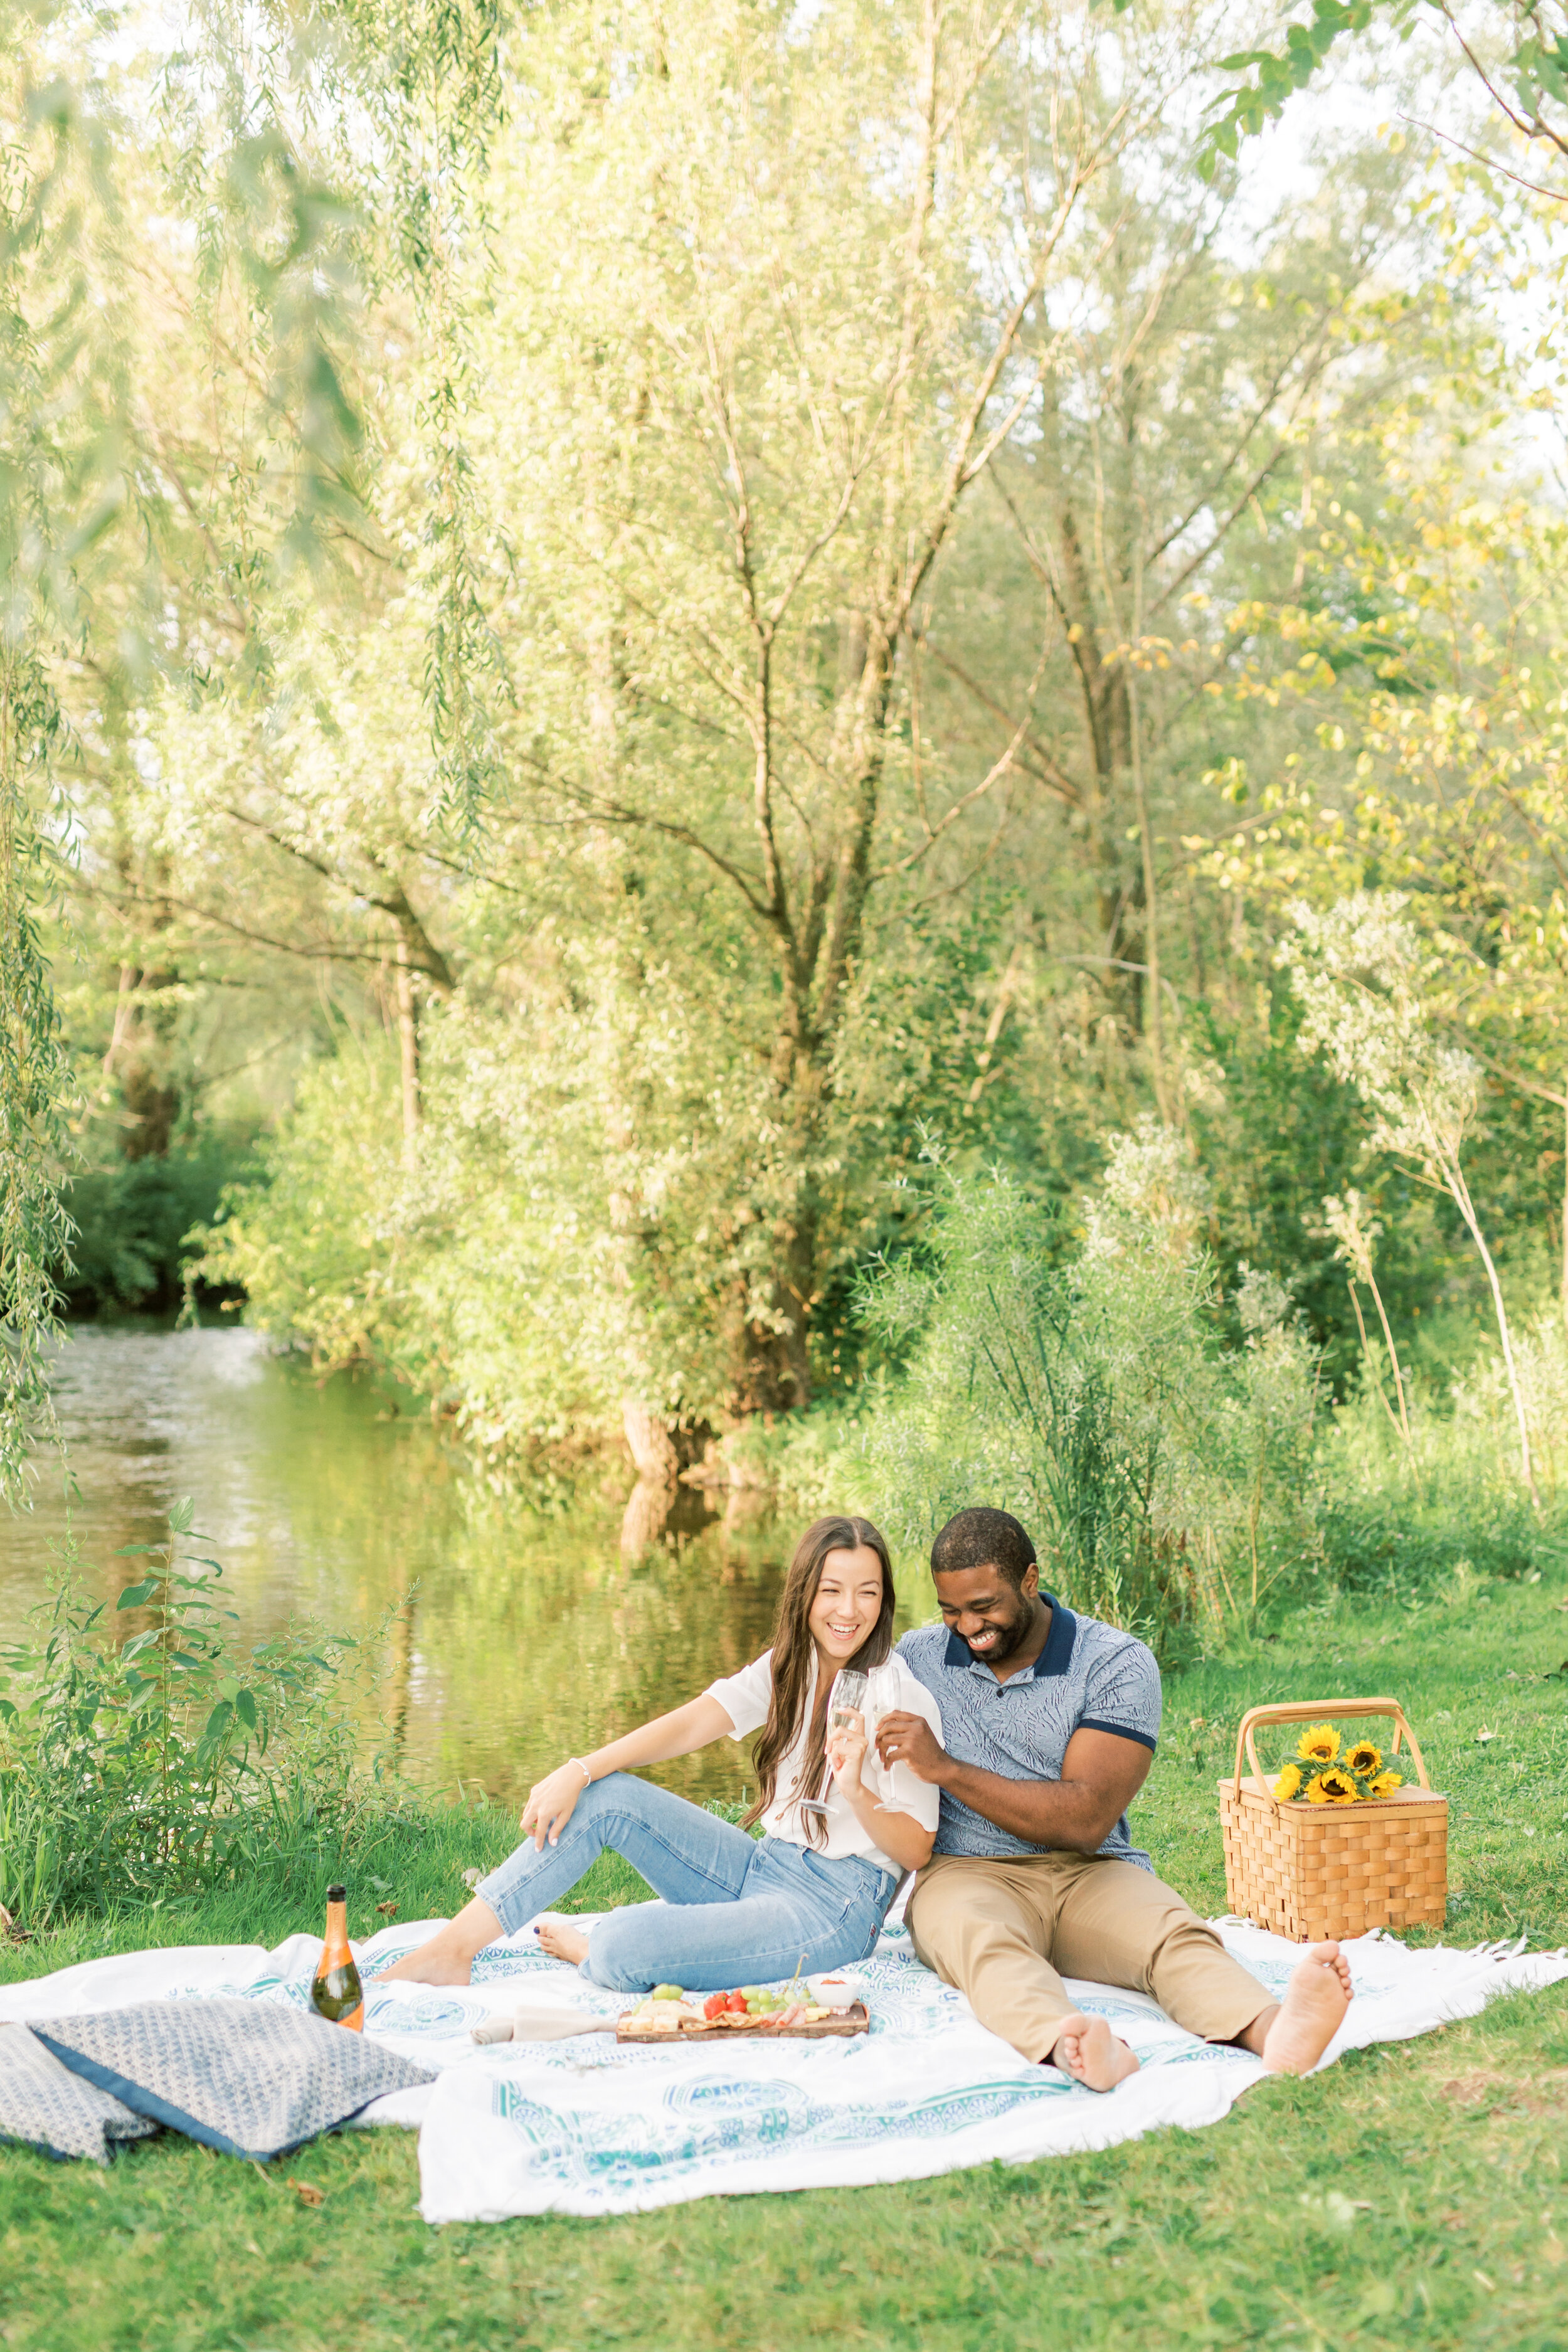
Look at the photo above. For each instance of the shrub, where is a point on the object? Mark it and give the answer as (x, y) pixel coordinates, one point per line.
(1167, 1481)
(173, 1761)
(133, 1222)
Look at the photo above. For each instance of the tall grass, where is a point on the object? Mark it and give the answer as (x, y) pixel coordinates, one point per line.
(1168, 1480)
(173, 1760)
(1178, 1482)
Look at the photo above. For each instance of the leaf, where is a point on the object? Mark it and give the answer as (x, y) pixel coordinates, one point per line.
(245, 1707)
(182, 1515)
(306, 2192)
(217, 1721)
(135, 1595)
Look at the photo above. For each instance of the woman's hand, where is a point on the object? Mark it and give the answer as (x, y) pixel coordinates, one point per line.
(550, 1802)
(847, 1752)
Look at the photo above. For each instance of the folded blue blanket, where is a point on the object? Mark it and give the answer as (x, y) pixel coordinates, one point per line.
(251, 2078)
(46, 2106)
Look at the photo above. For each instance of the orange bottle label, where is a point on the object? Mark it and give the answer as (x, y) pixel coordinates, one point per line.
(335, 1990)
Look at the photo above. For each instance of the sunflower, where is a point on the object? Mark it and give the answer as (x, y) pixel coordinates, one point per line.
(1320, 1745)
(1385, 1784)
(1333, 1787)
(1365, 1758)
(1288, 1783)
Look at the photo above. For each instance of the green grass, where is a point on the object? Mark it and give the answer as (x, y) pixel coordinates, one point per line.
(1228, 2237)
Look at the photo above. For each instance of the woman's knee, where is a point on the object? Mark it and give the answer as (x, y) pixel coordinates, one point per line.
(617, 1956)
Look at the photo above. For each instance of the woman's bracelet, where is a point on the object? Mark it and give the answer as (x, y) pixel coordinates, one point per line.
(587, 1776)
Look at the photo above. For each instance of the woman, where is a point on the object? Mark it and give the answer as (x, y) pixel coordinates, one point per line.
(812, 1891)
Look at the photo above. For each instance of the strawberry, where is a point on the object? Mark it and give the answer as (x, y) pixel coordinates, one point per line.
(714, 2004)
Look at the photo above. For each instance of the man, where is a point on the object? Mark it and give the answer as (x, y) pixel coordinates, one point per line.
(1050, 1722)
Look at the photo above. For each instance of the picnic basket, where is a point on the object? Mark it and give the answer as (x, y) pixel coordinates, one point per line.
(1307, 1872)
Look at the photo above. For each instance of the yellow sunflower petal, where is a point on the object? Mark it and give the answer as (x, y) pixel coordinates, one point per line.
(1366, 1758)
(1386, 1782)
(1288, 1783)
(1319, 1744)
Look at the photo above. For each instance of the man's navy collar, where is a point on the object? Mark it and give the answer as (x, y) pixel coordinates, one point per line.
(1054, 1659)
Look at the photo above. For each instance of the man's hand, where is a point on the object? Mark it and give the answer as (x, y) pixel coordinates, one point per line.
(909, 1739)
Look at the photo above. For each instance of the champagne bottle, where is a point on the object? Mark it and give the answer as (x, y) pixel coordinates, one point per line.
(335, 1991)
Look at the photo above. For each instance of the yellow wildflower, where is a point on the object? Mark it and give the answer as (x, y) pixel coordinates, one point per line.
(1385, 1784)
(1333, 1787)
(1365, 1758)
(1288, 1783)
(1320, 1745)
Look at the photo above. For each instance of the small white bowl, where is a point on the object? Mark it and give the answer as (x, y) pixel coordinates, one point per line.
(839, 1990)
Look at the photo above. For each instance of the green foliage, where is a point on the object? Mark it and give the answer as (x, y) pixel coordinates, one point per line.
(135, 1221)
(1532, 37)
(1279, 74)
(808, 667)
(1165, 1482)
(35, 1077)
(143, 1767)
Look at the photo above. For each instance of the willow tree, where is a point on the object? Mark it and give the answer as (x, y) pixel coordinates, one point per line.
(63, 496)
(810, 292)
(131, 265)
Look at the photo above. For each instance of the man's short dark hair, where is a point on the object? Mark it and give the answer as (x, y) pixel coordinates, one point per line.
(984, 1539)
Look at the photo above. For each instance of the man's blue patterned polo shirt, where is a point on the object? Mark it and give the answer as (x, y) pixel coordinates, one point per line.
(1089, 1676)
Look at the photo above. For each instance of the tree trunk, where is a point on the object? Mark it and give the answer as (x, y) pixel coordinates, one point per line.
(408, 1045)
(650, 1442)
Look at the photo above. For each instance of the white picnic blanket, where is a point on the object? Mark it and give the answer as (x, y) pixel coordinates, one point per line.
(582, 2126)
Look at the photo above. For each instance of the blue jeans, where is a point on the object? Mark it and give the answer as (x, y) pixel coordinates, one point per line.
(734, 1910)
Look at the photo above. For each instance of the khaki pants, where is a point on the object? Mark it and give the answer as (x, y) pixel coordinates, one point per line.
(1001, 1930)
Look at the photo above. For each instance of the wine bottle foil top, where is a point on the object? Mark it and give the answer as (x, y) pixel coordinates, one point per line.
(337, 1894)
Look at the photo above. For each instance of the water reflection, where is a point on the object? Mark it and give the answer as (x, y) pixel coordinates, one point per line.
(529, 1636)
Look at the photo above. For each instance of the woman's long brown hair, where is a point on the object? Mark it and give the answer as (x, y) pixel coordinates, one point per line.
(792, 1656)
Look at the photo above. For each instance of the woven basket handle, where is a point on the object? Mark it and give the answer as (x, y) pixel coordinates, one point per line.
(1320, 1710)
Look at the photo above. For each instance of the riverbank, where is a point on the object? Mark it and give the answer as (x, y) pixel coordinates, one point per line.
(1415, 2189)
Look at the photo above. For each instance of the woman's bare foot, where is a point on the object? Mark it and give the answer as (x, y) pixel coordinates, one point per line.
(448, 1957)
(1087, 2049)
(1316, 1999)
(561, 1942)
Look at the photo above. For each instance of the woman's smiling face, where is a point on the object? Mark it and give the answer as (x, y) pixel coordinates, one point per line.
(847, 1604)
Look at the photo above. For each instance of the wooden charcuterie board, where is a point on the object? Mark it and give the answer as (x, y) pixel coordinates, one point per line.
(851, 2021)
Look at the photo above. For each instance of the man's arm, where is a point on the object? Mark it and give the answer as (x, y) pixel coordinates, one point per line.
(1101, 1774)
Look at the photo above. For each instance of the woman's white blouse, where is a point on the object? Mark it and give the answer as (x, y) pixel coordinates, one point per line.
(890, 1689)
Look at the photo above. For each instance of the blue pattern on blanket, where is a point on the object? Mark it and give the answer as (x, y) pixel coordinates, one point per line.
(736, 2119)
(251, 2078)
(46, 2106)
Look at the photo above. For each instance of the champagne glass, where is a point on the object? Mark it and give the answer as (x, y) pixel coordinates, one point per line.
(846, 1701)
(848, 1698)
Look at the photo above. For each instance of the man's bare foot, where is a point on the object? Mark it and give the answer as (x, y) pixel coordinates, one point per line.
(448, 1957)
(1087, 2049)
(561, 1942)
(1316, 1999)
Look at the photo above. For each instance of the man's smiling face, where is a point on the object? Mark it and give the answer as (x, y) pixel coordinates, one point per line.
(980, 1606)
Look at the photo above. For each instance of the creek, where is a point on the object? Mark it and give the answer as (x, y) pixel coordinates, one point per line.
(528, 1632)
